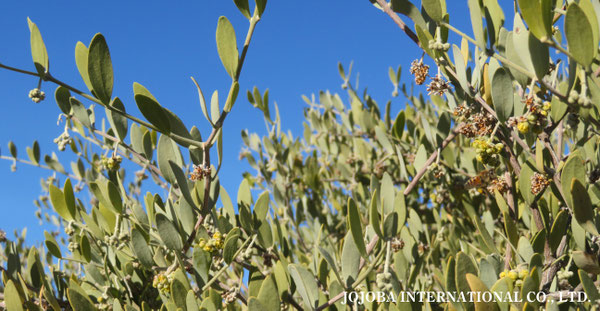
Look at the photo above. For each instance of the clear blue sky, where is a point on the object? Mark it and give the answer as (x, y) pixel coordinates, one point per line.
(295, 51)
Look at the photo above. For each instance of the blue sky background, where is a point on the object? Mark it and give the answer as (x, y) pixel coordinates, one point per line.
(295, 51)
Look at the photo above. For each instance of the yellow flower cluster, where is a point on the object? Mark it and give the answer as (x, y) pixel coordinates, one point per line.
(111, 164)
(213, 244)
(536, 117)
(161, 282)
(487, 153)
(516, 275)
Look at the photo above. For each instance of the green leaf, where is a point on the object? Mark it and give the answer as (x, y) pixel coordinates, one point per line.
(305, 284)
(117, 121)
(464, 265)
(168, 233)
(62, 95)
(591, 10)
(261, 208)
(153, 112)
(202, 262)
(513, 52)
(69, 198)
(190, 301)
(511, 229)
(12, 298)
(12, 148)
(580, 35)
(203, 103)
(267, 296)
(182, 182)
(434, 9)
(80, 112)
(583, 209)
(461, 70)
(350, 260)
(232, 96)
(525, 183)
(168, 151)
(574, 168)
(501, 288)
(79, 301)
(112, 192)
(356, 227)
(230, 246)
(260, 6)
(100, 192)
(51, 245)
(587, 262)
(424, 38)
(244, 196)
(178, 293)
(538, 17)
(215, 110)
(59, 203)
(81, 60)
(86, 250)
(449, 279)
(524, 249)
(141, 249)
(329, 258)
(400, 208)
(477, 286)
(390, 225)
(387, 194)
(34, 153)
(255, 305)
(502, 94)
(53, 163)
(588, 286)
(227, 46)
(530, 284)
(494, 17)
(558, 229)
(398, 127)
(38, 49)
(374, 217)
(475, 12)
(100, 69)
(243, 6)
(177, 127)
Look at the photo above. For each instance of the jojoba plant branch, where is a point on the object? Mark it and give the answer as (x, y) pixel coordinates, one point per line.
(485, 181)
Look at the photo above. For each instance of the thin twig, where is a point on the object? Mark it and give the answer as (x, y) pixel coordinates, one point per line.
(432, 158)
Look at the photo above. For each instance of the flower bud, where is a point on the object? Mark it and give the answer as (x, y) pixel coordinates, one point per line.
(523, 127)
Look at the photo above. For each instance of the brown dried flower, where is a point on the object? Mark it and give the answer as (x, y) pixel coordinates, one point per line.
(462, 111)
(539, 182)
(438, 86)
(499, 184)
(397, 244)
(200, 171)
(478, 124)
(419, 70)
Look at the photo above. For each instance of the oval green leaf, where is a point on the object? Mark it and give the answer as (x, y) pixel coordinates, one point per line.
(227, 46)
(100, 69)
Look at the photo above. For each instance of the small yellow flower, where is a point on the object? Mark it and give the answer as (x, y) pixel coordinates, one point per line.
(523, 127)
(513, 275)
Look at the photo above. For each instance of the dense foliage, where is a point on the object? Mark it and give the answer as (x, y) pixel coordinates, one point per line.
(486, 183)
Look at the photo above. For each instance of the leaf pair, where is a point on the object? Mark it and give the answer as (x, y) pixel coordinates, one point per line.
(95, 68)
(244, 7)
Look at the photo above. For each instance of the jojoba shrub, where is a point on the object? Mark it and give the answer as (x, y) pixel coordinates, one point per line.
(485, 184)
